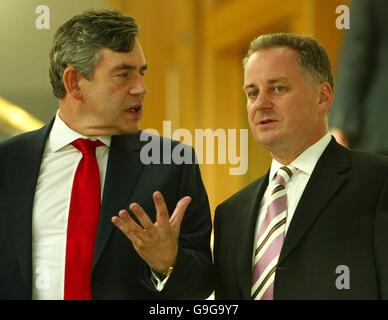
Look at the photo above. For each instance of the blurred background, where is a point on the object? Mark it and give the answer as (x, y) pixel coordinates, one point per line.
(194, 50)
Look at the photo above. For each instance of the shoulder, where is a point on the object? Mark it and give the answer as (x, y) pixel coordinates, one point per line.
(336, 156)
(241, 196)
(368, 161)
(166, 150)
(8, 146)
(147, 137)
(148, 140)
(359, 168)
(28, 140)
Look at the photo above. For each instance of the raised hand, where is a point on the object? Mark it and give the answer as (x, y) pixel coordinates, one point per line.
(155, 242)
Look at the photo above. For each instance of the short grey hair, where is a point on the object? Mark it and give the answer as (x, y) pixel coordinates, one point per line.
(78, 41)
(312, 57)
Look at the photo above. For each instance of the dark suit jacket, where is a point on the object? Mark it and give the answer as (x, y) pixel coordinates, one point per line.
(341, 219)
(360, 105)
(118, 271)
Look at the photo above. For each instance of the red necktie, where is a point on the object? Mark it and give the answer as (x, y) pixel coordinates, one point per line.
(82, 223)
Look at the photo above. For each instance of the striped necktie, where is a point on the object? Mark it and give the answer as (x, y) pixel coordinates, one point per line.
(270, 238)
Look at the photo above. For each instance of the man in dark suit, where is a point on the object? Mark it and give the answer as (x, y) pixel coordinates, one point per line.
(52, 249)
(361, 101)
(316, 225)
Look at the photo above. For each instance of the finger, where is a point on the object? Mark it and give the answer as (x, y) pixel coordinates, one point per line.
(142, 216)
(179, 212)
(133, 236)
(129, 221)
(126, 224)
(162, 216)
(131, 229)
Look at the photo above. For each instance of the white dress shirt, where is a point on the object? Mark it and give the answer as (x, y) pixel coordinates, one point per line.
(51, 207)
(305, 165)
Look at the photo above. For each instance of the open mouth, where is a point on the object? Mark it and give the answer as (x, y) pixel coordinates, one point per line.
(135, 109)
(135, 112)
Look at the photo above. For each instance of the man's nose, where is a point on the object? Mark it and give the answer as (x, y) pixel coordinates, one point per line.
(263, 101)
(139, 87)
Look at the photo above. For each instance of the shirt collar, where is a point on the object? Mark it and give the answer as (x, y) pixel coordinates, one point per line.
(307, 159)
(61, 135)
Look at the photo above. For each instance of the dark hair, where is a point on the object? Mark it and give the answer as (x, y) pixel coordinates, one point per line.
(312, 57)
(78, 41)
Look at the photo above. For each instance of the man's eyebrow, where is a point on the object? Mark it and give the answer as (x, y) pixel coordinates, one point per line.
(278, 79)
(248, 86)
(270, 81)
(125, 66)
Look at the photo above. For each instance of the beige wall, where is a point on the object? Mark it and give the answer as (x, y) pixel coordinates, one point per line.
(194, 49)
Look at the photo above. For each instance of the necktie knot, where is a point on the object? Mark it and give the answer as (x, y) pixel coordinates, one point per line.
(87, 146)
(284, 174)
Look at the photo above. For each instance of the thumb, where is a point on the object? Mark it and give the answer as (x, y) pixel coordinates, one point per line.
(179, 212)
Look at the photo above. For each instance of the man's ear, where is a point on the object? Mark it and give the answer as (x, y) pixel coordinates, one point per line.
(70, 80)
(325, 96)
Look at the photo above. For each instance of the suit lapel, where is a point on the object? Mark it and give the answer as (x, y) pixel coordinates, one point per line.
(123, 171)
(25, 171)
(322, 186)
(249, 208)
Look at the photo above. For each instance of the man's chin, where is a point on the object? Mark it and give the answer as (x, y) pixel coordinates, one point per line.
(266, 141)
(118, 131)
